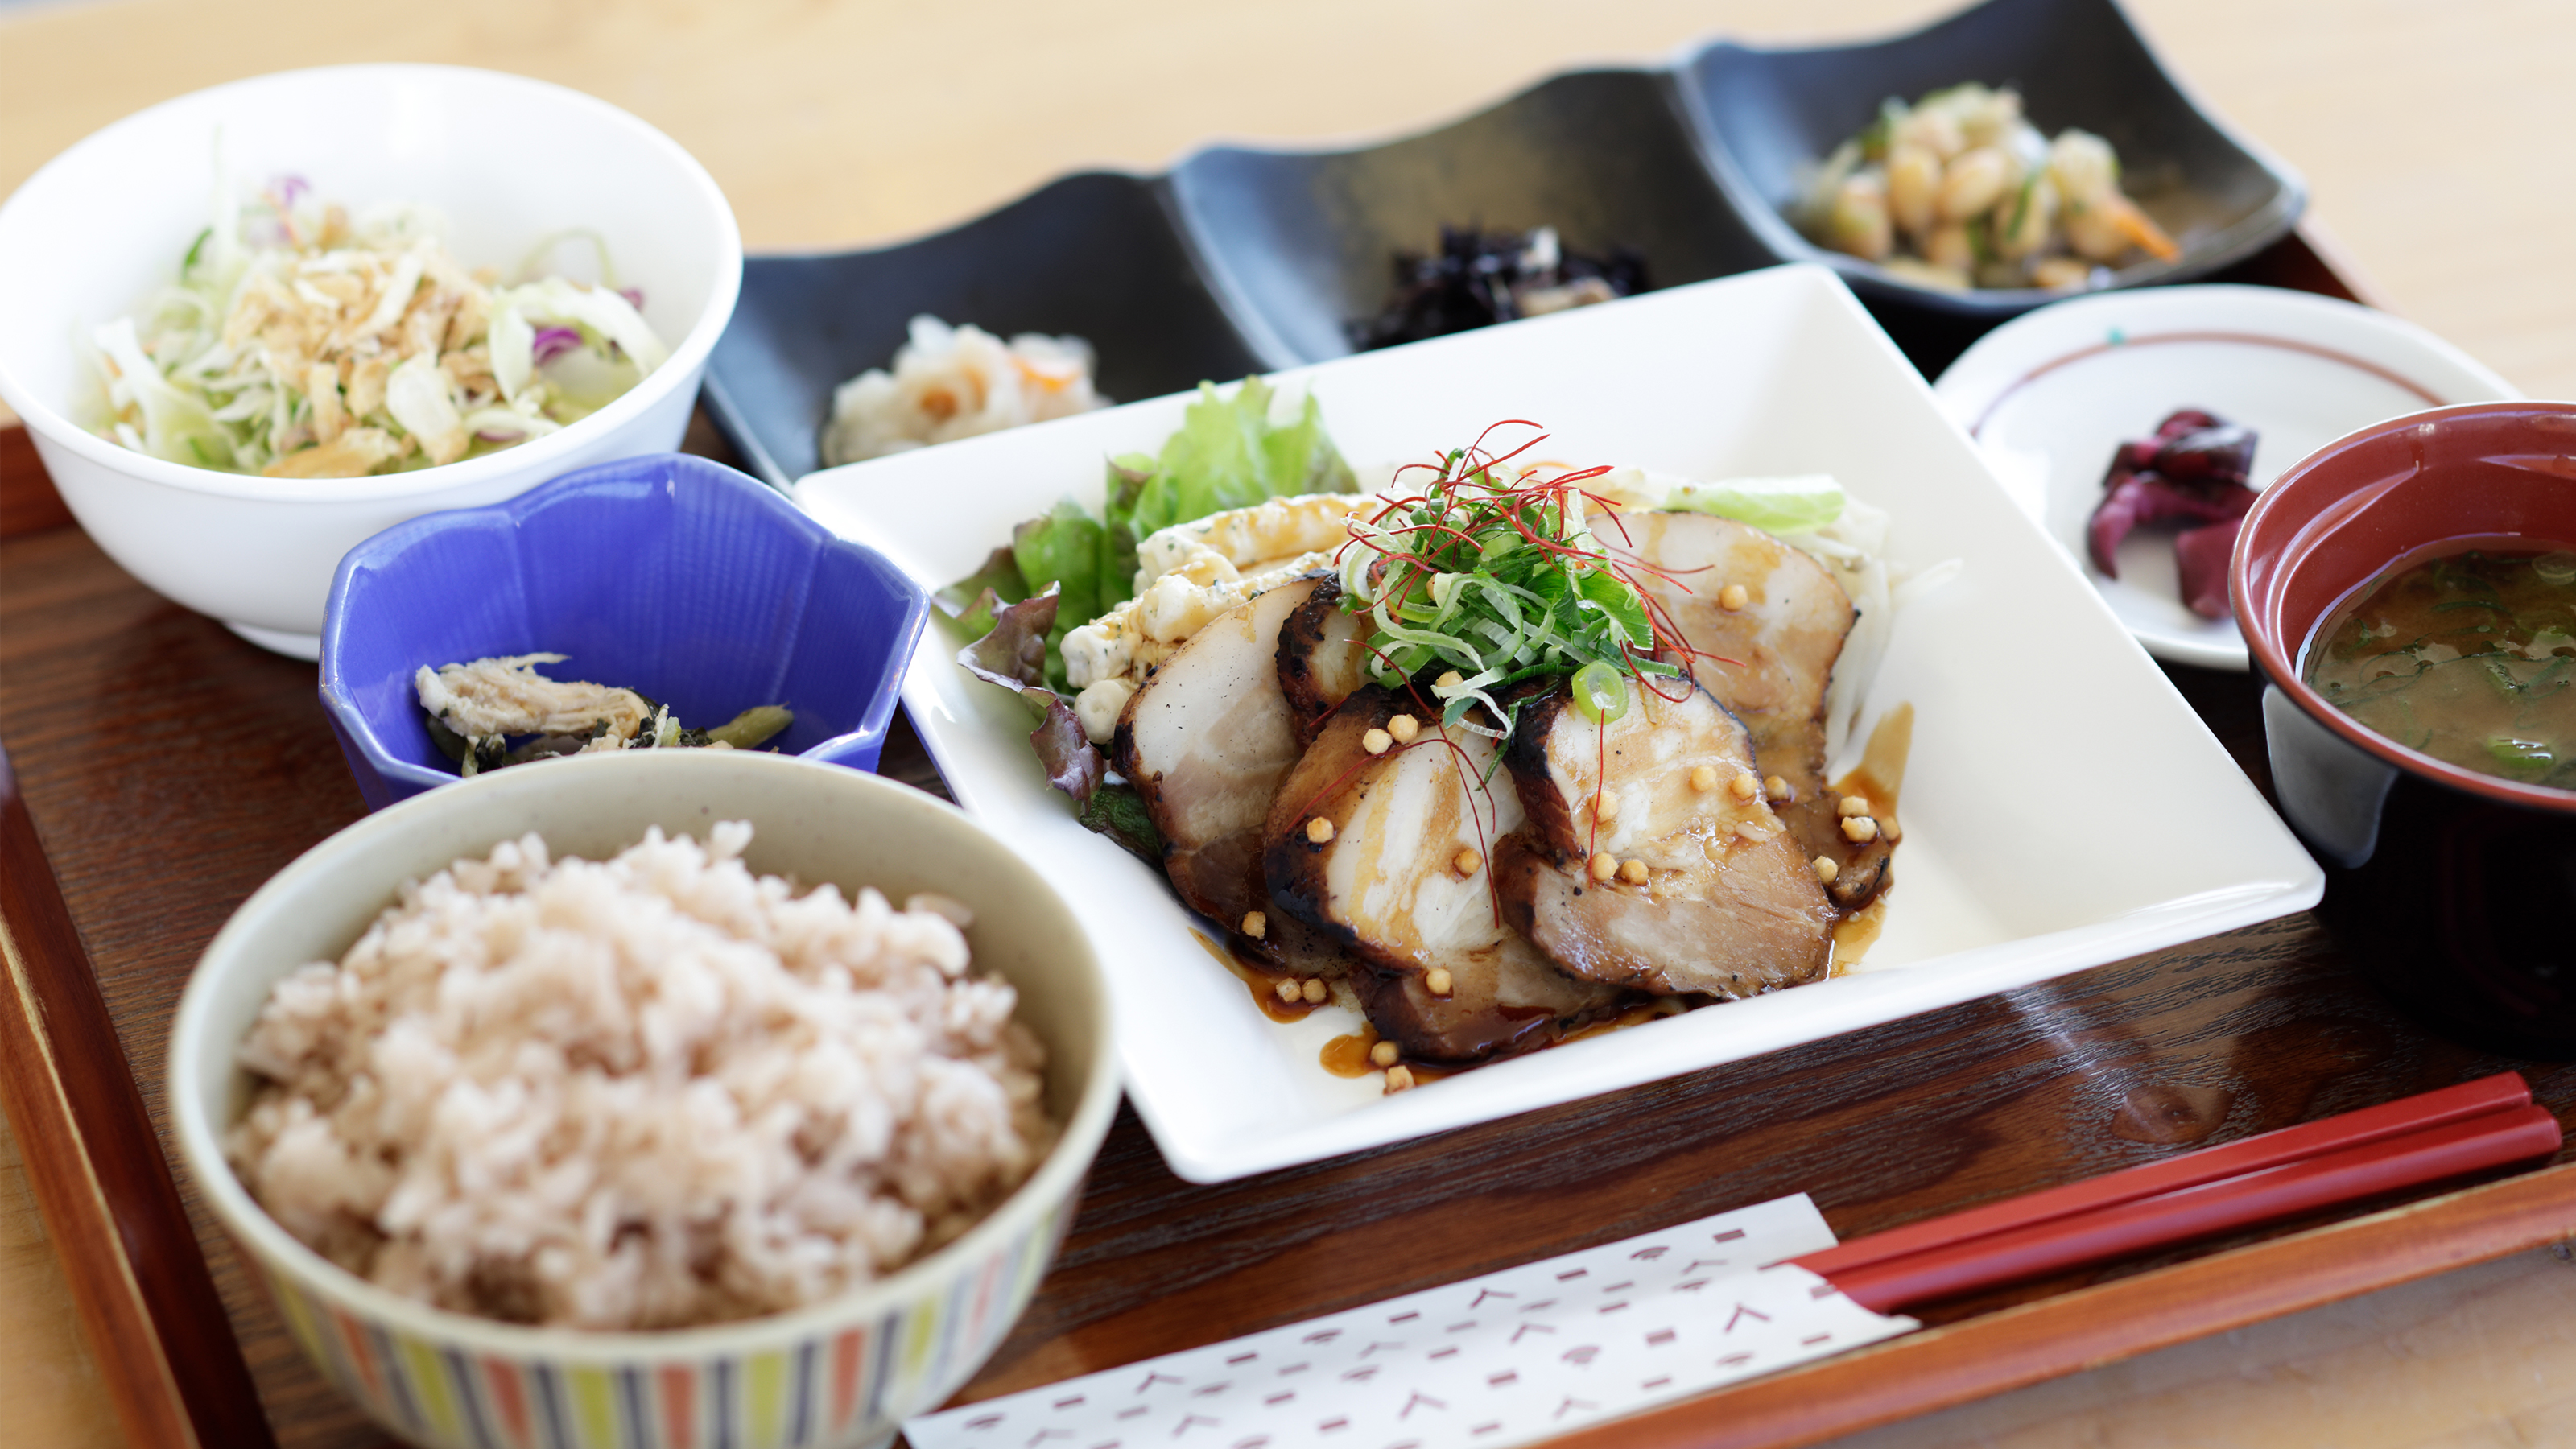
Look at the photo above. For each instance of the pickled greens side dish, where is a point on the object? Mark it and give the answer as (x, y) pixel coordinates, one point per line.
(2466, 658)
(298, 342)
(475, 710)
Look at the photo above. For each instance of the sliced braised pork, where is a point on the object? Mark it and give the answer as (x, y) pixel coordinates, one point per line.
(1651, 860)
(1323, 657)
(1768, 660)
(1205, 743)
(1385, 852)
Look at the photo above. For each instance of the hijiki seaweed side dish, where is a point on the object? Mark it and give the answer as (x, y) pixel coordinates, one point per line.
(297, 342)
(1478, 278)
(1501, 752)
(475, 710)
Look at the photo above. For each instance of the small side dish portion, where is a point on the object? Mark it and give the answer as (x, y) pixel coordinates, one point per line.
(1958, 190)
(957, 382)
(1478, 278)
(650, 1092)
(300, 343)
(2467, 657)
(476, 709)
(2196, 468)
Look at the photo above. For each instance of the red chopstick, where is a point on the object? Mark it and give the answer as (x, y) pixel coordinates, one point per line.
(2504, 1091)
(2196, 1212)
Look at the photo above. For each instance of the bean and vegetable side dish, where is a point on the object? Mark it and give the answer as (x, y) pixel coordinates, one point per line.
(1958, 190)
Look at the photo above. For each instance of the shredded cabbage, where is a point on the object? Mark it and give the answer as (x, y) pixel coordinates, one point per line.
(297, 342)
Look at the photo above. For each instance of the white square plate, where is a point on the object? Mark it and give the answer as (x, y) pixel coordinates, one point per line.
(2063, 807)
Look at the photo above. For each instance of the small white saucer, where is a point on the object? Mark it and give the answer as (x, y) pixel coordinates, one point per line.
(2050, 395)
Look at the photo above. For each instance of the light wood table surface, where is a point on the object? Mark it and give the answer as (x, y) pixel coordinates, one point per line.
(2436, 138)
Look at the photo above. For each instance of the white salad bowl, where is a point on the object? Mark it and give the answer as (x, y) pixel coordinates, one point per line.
(838, 1373)
(510, 161)
(2062, 808)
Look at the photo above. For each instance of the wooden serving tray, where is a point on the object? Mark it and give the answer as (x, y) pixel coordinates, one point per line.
(154, 770)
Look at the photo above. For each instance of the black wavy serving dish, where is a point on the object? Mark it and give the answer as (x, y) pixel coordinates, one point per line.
(1768, 116)
(1242, 260)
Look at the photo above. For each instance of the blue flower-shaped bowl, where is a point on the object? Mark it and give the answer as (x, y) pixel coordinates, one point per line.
(671, 575)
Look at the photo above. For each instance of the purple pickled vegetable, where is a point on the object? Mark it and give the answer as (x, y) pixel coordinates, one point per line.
(2150, 498)
(554, 342)
(2202, 554)
(2196, 467)
(2131, 458)
(634, 297)
(2186, 420)
(2216, 457)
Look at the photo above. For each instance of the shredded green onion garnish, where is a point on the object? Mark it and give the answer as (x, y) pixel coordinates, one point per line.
(1496, 576)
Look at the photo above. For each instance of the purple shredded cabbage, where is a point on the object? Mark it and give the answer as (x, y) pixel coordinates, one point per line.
(554, 342)
(634, 297)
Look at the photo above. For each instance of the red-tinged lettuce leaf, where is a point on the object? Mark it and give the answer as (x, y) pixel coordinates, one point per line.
(2202, 555)
(1073, 764)
(2148, 498)
(1013, 656)
(1013, 653)
(999, 575)
(1092, 564)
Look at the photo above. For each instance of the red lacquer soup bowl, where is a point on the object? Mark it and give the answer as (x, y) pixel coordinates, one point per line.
(2455, 890)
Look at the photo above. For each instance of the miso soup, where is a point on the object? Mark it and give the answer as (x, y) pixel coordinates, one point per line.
(2466, 657)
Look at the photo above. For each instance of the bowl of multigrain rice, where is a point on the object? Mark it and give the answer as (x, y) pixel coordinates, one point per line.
(651, 1097)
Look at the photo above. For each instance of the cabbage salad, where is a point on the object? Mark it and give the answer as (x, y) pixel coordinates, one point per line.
(299, 343)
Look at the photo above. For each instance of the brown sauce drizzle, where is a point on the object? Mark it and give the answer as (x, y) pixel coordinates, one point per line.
(1880, 774)
(1348, 1056)
(1856, 933)
(1881, 771)
(1638, 1015)
(1263, 985)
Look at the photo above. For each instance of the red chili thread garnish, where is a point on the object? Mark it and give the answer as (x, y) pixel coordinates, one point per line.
(1469, 476)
